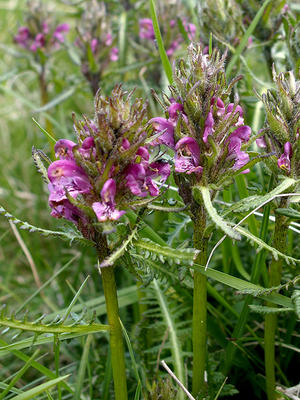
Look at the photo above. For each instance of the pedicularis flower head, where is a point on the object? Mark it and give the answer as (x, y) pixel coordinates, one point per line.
(96, 42)
(204, 128)
(40, 33)
(281, 133)
(97, 178)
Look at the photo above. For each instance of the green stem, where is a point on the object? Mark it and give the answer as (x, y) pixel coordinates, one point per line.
(199, 307)
(275, 271)
(116, 336)
(44, 100)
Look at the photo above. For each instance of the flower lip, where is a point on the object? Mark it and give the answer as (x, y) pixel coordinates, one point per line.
(63, 149)
(284, 161)
(167, 137)
(65, 168)
(108, 191)
(190, 146)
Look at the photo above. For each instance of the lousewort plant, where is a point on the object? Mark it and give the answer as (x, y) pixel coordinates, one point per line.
(209, 137)
(281, 137)
(95, 180)
(95, 42)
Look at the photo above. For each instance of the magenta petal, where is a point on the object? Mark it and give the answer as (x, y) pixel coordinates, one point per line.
(208, 127)
(63, 149)
(162, 124)
(190, 147)
(284, 161)
(65, 168)
(146, 29)
(106, 212)
(261, 142)
(108, 191)
(161, 169)
(243, 133)
(174, 109)
(63, 28)
(114, 54)
(143, 152)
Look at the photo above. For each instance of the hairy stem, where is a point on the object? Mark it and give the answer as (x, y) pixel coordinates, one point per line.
(116, 336)
(199, 307)
(275, 271)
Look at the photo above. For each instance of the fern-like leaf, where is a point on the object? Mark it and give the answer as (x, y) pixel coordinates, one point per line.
(261, 244)
(216, 218)
(70, 235)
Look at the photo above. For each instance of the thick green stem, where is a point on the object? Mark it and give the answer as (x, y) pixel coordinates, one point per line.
(116, 336)
(275, 271)
(199, 308)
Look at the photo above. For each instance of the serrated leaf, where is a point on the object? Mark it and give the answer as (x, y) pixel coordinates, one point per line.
(52, 328)
(269, 310)
(179, 255)
(216, 218)
(261, 244)
(252, 202)
(70, 236)
(289, 212)
(112, 258)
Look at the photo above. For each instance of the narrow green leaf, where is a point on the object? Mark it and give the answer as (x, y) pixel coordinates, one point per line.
(269, 310)
(175, 343)
(48, 135)
(57, 100)
(30, 394)
(241, 285)
(162, 52)
(19, 374)
(82, 367)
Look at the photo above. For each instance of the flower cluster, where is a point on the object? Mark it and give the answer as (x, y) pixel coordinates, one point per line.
(147, 32)
(202, 126)
(97, 178)
(40, 33)
(95, 42)
(281, 132)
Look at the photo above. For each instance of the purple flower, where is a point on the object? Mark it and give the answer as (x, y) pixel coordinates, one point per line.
(22, 36)
(173, 47)
(114, 54)
(243, 133)
(66, 174)
(261, 142)
(59, 32)
(139, 178)
(108, 39)
(187, 157)
(94, 45)
(146, 29)
(208, 126)
(190, 29)
(174, 109)
(284, 161)
(162, 124)
(63, 149)
(106, 209)
(238, 109)
(39, 42)
(64, 209)
(234, 152)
